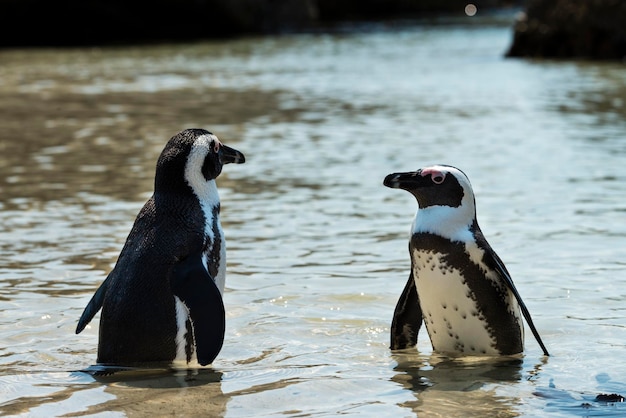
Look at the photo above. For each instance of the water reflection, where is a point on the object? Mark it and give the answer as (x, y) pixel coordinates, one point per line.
(77, 143)
(179, 393)
(444, 386)
(171, 392)
(600, 96)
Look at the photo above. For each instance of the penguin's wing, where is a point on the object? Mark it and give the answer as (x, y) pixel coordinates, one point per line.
(407, 317)
(196, 289)
(493, 260)
(93, 306)
(506, 278)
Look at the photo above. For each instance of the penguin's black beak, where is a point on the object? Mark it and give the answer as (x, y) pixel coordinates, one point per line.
(229, 155)
(405, 181)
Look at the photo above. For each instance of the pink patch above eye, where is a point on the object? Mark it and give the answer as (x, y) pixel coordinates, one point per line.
(436, 176)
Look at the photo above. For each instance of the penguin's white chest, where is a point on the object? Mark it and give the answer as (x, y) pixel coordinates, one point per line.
(216, 248)
(220, 277)
(214, 259)
(451, 315)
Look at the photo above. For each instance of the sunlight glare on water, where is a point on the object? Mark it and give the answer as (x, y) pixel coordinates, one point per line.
(317, 247)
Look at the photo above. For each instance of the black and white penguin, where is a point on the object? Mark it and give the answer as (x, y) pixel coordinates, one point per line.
(162, 302)
(458, 285)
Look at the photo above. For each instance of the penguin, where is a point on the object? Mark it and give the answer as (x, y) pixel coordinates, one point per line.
(162, 301)
(458, 286)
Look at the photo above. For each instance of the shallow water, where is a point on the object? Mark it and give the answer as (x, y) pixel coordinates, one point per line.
(317, 247)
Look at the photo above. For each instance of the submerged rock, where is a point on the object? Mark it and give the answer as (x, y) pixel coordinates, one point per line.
(610, 398)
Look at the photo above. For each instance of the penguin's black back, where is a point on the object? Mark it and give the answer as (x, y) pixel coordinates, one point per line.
(138, 320)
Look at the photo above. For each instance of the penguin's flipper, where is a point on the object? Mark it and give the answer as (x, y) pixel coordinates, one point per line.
(506, 277)
(93, 306)
(196, 289)
(407, 318)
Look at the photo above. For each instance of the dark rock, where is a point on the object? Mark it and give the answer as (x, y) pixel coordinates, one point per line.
(592, 29)
(96, 22)
(267, 16)
(100, 22)
(612, 398)
(334, 10)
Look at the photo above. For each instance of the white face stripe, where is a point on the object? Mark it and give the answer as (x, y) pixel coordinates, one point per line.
(208, 196)
(446, 221)
(205, 190)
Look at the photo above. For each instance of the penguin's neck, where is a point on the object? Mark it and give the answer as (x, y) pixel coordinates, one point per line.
(215, 258)
(209, 200)
(453, 223)
(206, 192)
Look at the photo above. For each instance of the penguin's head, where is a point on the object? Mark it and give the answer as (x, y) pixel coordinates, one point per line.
(437, 185)
(193, 157)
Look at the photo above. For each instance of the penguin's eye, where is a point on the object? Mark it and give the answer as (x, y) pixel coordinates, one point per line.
(216, 147)
(438, 178)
